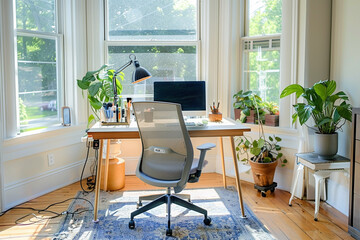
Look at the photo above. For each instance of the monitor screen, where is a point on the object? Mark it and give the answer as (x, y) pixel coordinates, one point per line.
(190, 94)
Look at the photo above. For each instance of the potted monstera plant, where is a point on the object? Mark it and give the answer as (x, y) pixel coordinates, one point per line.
(98, 85)
(329, 110)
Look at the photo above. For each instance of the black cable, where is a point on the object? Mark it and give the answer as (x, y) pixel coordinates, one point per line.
(46, 210)
(82, 173)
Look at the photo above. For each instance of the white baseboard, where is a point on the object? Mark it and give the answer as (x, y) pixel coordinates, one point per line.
(26, 189)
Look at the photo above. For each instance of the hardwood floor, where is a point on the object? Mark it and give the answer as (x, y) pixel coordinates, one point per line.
(283, 221)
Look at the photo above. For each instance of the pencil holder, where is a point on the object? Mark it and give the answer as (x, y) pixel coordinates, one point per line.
(215, 117)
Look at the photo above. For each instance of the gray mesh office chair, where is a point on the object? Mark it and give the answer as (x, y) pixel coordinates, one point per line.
(167, 157)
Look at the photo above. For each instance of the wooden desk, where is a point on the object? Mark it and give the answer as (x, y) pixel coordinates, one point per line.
(227, 128)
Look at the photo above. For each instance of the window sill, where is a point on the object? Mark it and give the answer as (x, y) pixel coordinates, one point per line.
(41, 141)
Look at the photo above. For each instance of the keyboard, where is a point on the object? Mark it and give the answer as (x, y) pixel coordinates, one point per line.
(190, 123)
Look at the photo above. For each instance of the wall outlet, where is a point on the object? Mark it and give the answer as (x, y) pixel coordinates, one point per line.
(51, 159)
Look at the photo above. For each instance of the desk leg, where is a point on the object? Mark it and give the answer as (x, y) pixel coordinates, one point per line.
(97, 184)
(238, 184)
(106, 172)
(223, 162)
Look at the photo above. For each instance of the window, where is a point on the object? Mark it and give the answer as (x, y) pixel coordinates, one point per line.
(261, 48)
(162, 34)
(38, 63)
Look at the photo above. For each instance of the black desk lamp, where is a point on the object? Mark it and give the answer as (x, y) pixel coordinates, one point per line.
(139, 74)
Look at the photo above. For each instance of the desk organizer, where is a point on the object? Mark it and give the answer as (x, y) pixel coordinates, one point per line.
(215, 117)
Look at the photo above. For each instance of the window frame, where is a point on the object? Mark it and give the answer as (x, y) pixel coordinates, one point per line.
(58, 37)
(245, 83)
(150, 42)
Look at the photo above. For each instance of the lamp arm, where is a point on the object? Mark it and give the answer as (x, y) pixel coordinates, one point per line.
(116, 98)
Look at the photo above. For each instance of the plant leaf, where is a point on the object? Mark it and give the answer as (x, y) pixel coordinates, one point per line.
(255, 151)
(96, 104)
(91, 73)
(94, 88)
(271, 139)
(278, 139)
(344, 112)
(279, 155)
(90, 120)
(267, 159)
(261, 142)
(83, 85)
(293, 88)
(321, 90)
(324, 121)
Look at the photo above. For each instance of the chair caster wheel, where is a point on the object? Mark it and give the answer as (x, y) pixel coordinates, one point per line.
(207, 221)
(131, 224)
(138, 205)
(290, 205)
(168, 232)
(263, 194)
(272, 190)
(315, 219)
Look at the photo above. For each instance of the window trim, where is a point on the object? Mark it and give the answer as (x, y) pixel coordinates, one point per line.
(58, 37)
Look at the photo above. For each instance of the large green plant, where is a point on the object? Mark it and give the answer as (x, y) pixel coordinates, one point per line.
(330, 111)
(100, 89)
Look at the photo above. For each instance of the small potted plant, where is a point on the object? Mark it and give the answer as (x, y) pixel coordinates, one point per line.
(329, 110)
(263, 155)
(272, 117)
(245, 106)
(100, 89)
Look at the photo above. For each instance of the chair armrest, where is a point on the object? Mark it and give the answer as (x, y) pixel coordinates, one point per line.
(206, 146)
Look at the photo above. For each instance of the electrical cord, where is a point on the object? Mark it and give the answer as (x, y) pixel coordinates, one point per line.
(46, 210)
(90, 181)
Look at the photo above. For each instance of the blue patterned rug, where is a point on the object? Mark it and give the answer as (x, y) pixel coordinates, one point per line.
(115, 208)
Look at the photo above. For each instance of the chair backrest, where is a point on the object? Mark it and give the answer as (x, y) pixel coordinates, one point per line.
(167, 152)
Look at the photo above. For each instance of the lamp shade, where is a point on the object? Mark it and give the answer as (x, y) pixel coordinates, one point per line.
(140, 73)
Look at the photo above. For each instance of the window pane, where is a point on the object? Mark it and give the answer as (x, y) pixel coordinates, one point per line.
(165, 63)
(37, 15)
(264, 17)
(152, 20)
(262, 71)
(37, 82)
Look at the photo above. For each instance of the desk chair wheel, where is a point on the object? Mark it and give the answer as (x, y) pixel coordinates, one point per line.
(168, 232)
(207, 221)
(138, 205)
(263, 194)
(131, 224)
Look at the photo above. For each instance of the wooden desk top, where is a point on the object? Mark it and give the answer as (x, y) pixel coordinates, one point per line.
(227, 127)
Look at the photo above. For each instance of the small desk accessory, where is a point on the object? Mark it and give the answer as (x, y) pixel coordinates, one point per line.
(215, 115)
(66, 116)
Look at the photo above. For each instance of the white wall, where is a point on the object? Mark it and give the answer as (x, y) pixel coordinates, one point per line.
(345, 60)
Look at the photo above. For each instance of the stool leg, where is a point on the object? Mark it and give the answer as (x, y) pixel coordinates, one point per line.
(298, 171)
(318, 181)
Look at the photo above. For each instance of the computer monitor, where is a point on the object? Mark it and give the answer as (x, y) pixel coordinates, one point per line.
(190, 94)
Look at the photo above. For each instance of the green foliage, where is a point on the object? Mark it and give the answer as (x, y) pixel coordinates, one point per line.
(330, 111)
(267, 20)
(100, 89)
(22, 110)
(271, 107)
(260, 150)
(247, 101)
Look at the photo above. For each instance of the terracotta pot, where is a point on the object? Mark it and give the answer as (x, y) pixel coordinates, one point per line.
(252, 117)
(272, 120)
(263, 173)
(237, 113)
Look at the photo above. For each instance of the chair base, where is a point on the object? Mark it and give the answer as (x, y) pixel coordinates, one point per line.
(155, 196)
(168, 199)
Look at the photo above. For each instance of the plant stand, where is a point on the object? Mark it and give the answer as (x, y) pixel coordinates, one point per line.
(264, 189)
